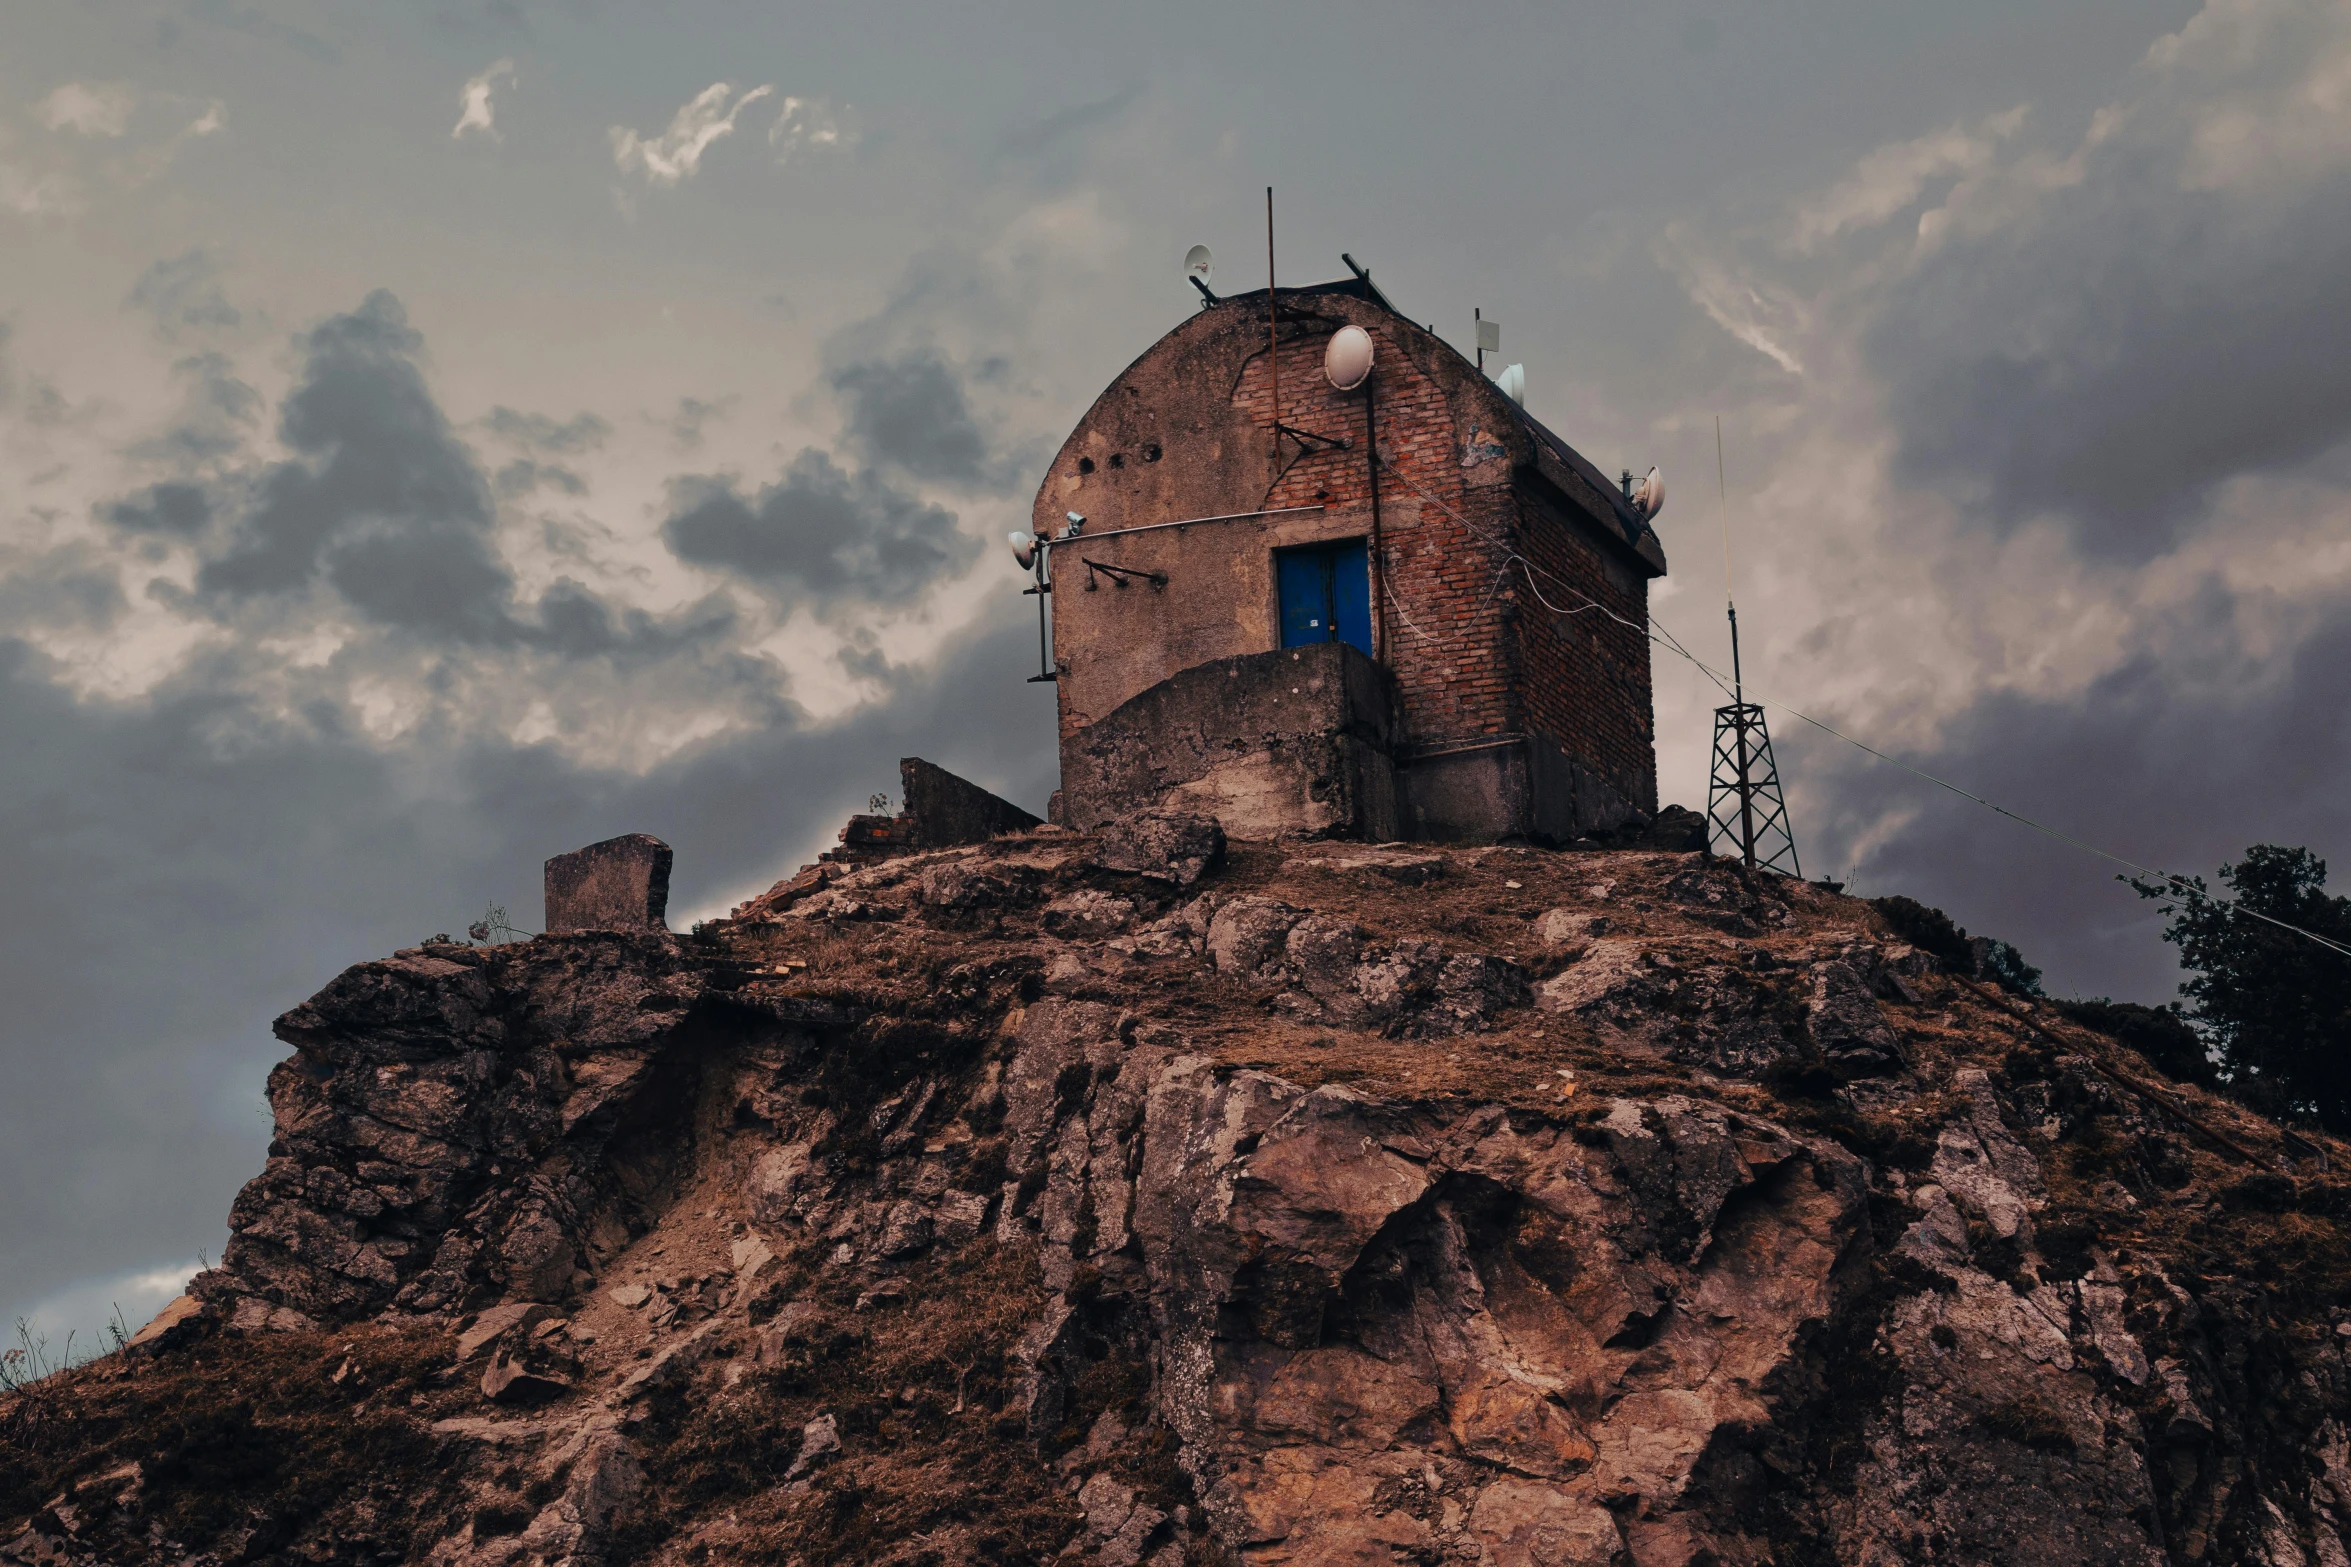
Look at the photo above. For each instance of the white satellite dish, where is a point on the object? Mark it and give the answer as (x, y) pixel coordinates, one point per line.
(1199, 265)
(1346, 363)
(1024, 547)
(1648, 496)
(1514, 384)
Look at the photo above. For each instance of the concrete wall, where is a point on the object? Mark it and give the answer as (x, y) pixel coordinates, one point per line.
(1275, 743)
(619, 884)
(1525, 789)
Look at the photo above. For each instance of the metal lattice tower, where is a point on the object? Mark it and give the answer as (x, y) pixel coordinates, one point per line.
(1745, 809)
(1746, 813)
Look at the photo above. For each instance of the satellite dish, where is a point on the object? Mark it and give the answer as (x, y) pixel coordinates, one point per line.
(1649, 495)
(1514, 384)
(1199, 265)
(1347, 361)
(1024, 547)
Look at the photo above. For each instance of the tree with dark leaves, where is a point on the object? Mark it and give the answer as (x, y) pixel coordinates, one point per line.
(2275, 1005)
(2162, 1034)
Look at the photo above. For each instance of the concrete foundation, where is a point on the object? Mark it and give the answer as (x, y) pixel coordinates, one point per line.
(1308, 742)
(1295, 741)
(1523, 788)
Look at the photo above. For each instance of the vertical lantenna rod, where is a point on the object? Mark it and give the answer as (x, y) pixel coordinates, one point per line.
(1379, 574)
(1722, 489)
(1273, 341)
(1738, 681)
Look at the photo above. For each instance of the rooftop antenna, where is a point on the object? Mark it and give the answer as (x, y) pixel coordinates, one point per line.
(1347, 364)
(1199, 271)
(1489, 336)
(1273, 342)
(1744, 771)
(1371, 290)
(1034, 551)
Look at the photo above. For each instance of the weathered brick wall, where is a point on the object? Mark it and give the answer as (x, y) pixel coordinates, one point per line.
(1474, 653)
(1444, 610)
(1587, 675)
(1186, 431)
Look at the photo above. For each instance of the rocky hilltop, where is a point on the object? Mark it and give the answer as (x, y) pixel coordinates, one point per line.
(1137, 1198)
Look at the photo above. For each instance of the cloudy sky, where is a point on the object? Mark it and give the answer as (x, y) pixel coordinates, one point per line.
(433, 437)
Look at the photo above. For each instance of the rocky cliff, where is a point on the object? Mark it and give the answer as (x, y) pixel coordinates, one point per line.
(1140, 1199)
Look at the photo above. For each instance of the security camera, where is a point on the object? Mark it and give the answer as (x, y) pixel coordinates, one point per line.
(1077, 524)
(1024, 547)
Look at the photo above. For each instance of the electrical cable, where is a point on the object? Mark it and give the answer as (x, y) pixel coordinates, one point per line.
(1657, 633)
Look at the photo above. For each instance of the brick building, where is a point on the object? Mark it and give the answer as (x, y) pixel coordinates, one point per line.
(1399, 649)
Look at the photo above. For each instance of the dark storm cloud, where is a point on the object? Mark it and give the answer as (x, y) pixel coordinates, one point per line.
(215, 420)
(912, 411)
(521, 476)
(245, 875)
(685, 425)
(569, 437)
(252, 21)
(2181, 758)
(387, 506)
(819, 532)
(183, 293)
(172, 508)
(426, 575)
(577, 624)
(382, 497)
(2126, 345)
(72, 587)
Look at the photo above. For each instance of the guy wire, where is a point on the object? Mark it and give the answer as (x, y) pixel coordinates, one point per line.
(1657, 633)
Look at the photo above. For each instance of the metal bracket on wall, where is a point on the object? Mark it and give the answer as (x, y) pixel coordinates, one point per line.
(1118, 575)
(1330, 443)
(1040, 592)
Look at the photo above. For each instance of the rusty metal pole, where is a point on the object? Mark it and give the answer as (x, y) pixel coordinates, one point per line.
(1273, 341)
(1379, 571)
(1739, 723)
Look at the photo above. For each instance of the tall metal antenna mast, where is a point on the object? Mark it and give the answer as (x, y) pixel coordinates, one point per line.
(1273, 341)
(1744, 769)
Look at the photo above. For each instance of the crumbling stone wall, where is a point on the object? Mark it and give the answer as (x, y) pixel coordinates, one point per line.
(948, 810)
(619, 884)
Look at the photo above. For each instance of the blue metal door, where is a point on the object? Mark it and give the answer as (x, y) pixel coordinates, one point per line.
(1325, 594)
(1306, 596)
(1351, 594)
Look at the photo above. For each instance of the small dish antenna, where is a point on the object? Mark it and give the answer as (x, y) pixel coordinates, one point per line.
(1648, 497)
(1514, 384)
(1346, 363)
(1199, 269)
(1024, 547)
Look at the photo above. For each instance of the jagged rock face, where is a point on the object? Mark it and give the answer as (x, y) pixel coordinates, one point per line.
(1393, 1331)
(1340, 1205)
(449, 1121)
